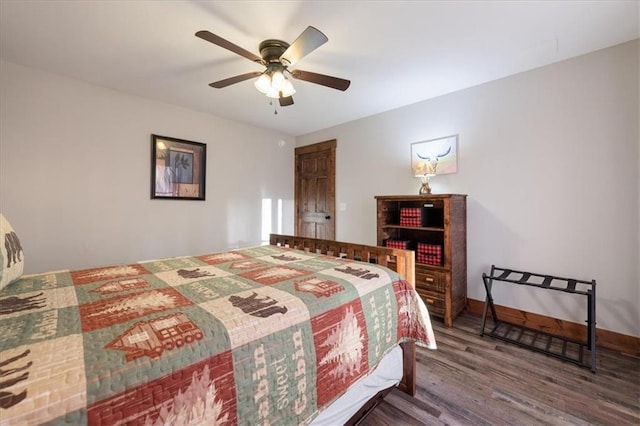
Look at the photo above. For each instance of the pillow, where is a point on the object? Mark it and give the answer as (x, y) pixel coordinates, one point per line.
(11, 254)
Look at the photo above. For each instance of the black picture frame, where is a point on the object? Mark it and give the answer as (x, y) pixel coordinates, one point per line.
(178, 168)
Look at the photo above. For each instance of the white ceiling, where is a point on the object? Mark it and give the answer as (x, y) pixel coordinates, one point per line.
(394, 53)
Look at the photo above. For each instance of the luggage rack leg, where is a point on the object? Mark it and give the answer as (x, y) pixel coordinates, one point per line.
(488, 282)
(591, 324)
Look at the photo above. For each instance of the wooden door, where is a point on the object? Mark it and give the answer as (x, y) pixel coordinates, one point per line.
(315, 183)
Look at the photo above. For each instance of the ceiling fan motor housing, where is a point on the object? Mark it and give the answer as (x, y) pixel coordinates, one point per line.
(272, 49)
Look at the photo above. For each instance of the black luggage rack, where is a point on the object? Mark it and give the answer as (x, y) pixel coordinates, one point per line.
(566, 349)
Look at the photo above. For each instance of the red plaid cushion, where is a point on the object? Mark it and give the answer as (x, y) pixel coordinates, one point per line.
(410, 212)
(410, 216)
(430, 254)
(397, 244)
(410, 221)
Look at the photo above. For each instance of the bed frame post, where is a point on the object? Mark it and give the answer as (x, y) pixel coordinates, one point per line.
(408, 383)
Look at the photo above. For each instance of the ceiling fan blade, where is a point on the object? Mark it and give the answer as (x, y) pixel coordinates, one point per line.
(286, 101)
(219, 41)
(321, 79)
(310, 39)
(233, 80)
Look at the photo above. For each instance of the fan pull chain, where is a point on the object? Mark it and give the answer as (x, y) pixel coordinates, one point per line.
(275, 108)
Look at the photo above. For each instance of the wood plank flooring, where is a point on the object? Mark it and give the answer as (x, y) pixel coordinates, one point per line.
(473, 380)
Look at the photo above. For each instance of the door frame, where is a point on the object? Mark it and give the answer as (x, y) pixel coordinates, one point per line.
(330, 146)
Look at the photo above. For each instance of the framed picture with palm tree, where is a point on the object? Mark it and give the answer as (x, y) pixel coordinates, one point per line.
(178, 168)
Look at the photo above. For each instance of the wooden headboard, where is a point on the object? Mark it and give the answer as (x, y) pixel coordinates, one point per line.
(402, 261)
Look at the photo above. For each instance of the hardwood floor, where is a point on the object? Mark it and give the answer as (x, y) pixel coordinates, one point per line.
(473, 380)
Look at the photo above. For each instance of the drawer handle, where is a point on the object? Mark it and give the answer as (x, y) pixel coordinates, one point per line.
(429, 279)
(430, 301)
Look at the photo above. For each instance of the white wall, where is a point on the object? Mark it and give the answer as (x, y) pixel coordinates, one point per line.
(549, 160)
(75, 175)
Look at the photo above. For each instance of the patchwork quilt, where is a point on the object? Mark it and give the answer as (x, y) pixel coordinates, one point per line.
(264, 335)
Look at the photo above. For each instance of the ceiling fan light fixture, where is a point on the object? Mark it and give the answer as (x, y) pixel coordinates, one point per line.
(274, 84)
(263, 83)
(278, 80)
(272, 93)
(275, 94)
(288, 89)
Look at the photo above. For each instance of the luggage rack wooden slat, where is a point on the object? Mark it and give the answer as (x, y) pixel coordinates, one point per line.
(570, 350)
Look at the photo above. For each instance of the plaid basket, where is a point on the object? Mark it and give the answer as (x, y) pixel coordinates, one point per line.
(397, 244)
(410, 216)
(431, 254)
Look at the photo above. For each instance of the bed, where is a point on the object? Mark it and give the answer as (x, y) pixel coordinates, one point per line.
(276, 334)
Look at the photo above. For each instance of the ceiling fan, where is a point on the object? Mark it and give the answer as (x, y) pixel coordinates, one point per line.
(277, 56)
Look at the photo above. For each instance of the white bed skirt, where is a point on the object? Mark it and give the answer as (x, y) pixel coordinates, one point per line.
(388, 373)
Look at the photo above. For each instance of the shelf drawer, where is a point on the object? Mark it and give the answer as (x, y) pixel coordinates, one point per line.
(434, 301)
(431, 280)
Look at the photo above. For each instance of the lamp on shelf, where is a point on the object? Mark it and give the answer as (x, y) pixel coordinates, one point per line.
(274, 83)
(425, 170)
